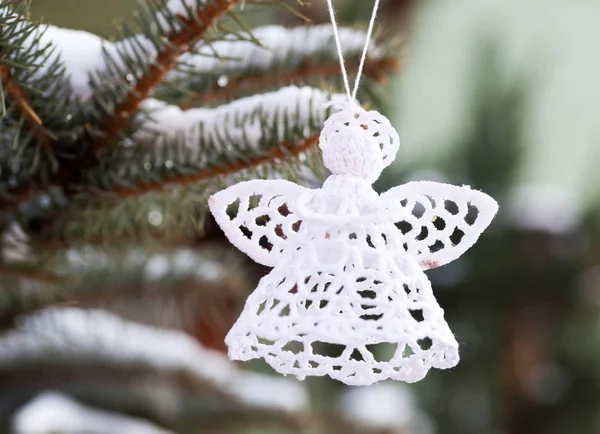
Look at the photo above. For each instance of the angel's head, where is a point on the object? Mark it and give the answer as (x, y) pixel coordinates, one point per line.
(358, 142)
(352, 151)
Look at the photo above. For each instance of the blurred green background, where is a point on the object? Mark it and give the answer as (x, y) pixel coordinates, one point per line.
(93, 16)
(501, 95)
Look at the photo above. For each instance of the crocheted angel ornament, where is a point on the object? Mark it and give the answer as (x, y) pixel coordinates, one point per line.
(348, 263)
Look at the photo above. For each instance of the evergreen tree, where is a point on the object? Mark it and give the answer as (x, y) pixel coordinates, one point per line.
(116, 289)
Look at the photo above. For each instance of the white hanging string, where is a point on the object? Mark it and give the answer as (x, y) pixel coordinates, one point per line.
(365, 49)
(336, 35)
(338, 44)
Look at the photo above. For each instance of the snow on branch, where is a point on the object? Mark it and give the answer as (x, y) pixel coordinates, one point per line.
(242, 120)
(199, 149)
(180, 157)
(119, 78)
(282, 57)
(78, 334)
(81, 53)
(174, 288)
(19, 264)
(14, 245)
(118, 88)
(52, 412)
(79, 338)
(276, 43)
(190, 29)
(82, 336)
(201, 144)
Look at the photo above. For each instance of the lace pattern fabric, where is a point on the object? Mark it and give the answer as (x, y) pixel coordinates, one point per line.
(348, 263)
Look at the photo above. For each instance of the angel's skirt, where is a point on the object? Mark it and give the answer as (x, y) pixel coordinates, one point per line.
(345, 306)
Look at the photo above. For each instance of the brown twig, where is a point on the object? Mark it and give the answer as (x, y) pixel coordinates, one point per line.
(374, 68)
(191, 31)
(284, 151)
(17, 196)
(42, 276)
(22, 102)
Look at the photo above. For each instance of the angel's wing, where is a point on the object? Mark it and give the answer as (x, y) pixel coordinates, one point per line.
(442, 221)
(257, 216)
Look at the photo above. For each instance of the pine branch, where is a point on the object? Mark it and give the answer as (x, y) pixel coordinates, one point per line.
(35, 101)
(55, 348)
(20, 100)
(125, 278)
(189, 30)
(285, 150)
(192, 30)
(163, 179)
(87, 352)
(148, 57)
(281, 56)
(211, 143)
(33, 273)
(307, 71)
(101, 223)
(145, 172)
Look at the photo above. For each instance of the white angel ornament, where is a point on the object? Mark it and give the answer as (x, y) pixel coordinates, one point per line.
(348, 263)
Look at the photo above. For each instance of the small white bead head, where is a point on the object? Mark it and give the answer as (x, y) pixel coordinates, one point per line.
(352, 151)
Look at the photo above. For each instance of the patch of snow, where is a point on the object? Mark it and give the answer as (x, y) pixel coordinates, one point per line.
(86, 334)
(179, 7)
(241, 120)
(183, 261)
(71, 333)
(81, 53)
(84, 53)
(176, 7)
(157, 267)
(210, 269)
(260, 390)
(52, 412)
(14, 244)
(277, 44)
